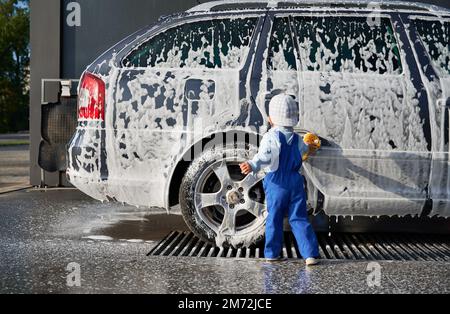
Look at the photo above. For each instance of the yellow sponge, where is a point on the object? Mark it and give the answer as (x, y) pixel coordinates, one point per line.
(312, 139)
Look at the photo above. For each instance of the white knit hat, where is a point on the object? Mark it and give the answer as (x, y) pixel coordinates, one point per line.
(284, 111)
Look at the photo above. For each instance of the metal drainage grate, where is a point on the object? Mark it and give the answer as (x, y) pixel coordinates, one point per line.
(340, 246)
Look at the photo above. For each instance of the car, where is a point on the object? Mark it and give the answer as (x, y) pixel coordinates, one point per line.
(166, 115)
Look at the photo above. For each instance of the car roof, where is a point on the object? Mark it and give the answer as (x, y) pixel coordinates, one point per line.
(373, 5)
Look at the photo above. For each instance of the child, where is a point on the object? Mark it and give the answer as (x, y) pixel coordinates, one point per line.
(281, 152)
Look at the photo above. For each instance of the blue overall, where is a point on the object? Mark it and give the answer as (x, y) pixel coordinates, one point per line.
(285, 194)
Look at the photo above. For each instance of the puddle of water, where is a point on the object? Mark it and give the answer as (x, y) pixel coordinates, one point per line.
(149, 228)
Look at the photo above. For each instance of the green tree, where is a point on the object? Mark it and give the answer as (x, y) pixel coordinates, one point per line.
(14, 65)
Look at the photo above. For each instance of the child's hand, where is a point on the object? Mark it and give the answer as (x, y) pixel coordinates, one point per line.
(245, 168)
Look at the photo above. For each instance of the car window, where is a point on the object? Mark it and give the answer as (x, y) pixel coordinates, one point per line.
(436, 39)
(347, 44)
(281, 49)
(219, 43)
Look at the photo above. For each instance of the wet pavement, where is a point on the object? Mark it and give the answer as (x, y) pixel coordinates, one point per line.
(42, 231)
(14, 165)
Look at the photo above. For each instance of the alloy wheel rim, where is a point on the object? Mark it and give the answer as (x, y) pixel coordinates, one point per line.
(233, 198)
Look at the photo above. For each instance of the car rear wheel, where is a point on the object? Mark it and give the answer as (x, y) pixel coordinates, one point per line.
(221, 205)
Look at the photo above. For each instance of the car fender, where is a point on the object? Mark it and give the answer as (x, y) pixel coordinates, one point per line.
(197, 148)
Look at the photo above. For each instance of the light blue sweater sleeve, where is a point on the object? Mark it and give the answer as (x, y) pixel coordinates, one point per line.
(264, 156)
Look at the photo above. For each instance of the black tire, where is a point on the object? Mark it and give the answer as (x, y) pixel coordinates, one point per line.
(201, 221)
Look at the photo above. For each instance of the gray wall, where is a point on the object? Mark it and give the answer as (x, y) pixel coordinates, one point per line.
(45, 63)
(104, 23)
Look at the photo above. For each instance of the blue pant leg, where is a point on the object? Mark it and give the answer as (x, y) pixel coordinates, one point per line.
(300, 225)
(277, 204)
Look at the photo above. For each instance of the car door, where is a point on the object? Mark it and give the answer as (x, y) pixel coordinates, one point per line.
(357, 94)
(431, 39)
(279, 61)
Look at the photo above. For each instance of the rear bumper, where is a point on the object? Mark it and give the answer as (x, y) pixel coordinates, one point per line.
(88, 170)
(133, 192)
(83, 162)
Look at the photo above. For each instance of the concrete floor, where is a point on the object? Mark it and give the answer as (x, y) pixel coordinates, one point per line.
(41, 232)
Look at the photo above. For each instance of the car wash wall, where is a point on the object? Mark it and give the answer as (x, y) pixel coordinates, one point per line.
(66, 36)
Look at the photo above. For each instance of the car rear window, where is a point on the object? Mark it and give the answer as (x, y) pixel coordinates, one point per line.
(347, 44)
(219, 43)
(436, 39)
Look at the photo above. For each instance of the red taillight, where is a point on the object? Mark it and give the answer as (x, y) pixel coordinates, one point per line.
(91, 98)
